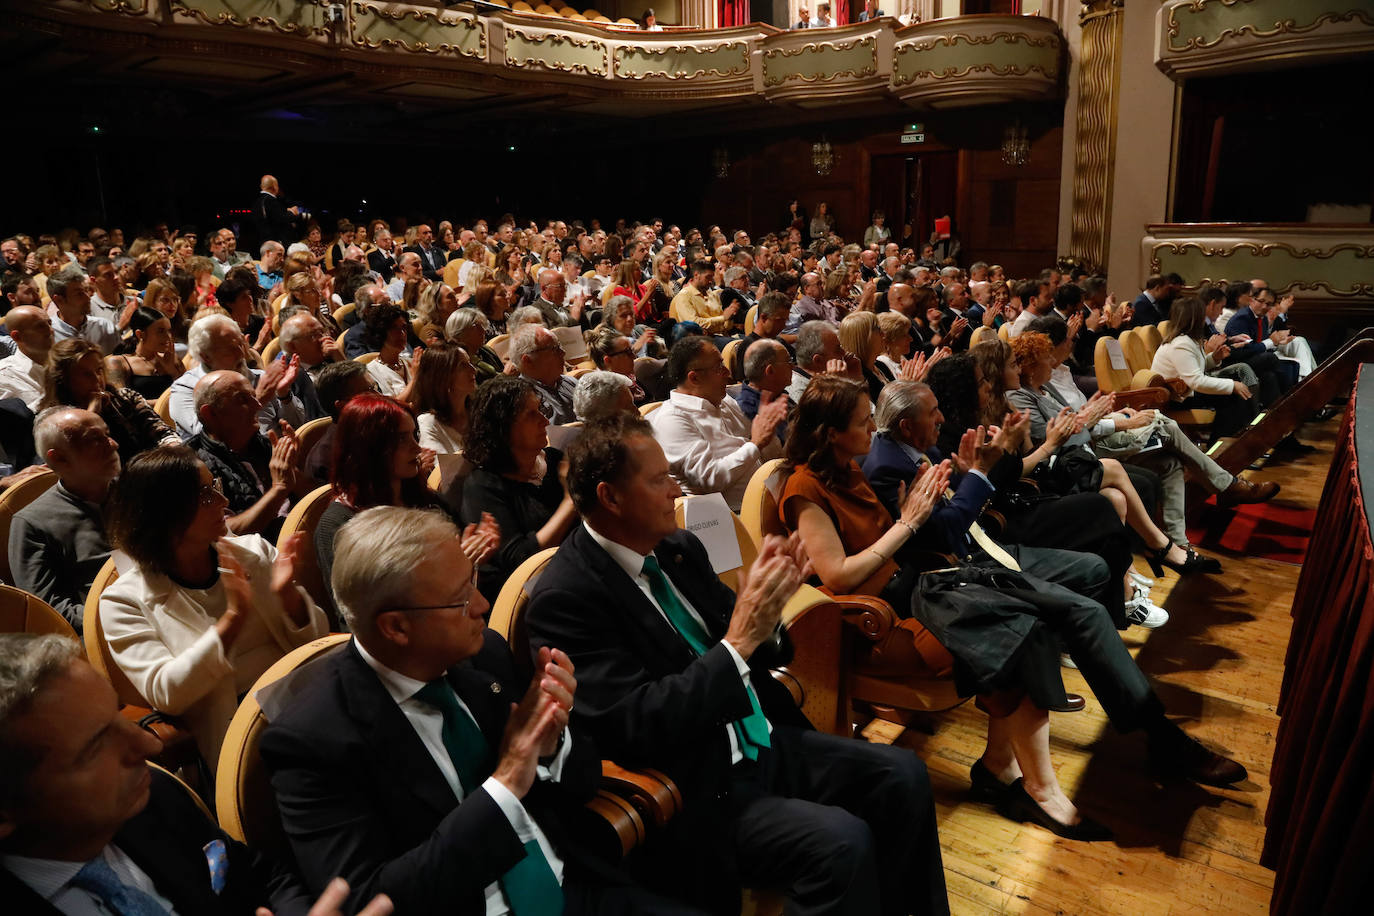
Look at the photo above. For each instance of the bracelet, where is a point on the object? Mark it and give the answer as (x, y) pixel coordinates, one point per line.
(907, 525)
(874, 551)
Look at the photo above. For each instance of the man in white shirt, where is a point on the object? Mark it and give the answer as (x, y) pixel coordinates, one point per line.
(21, 375)
(73, 318)
(823, 19)
(87, 828)
(711, 446)
(451, 802)
(1036, 299)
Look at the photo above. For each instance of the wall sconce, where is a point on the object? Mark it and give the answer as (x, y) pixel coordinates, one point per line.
(822, 156)
(1015, 145)
(720, 158)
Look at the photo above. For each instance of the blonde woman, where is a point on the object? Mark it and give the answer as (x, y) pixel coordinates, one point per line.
(862, 337)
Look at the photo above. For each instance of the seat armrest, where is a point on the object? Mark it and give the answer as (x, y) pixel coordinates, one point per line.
(873, 617)
(1143, 398)
(654, 795)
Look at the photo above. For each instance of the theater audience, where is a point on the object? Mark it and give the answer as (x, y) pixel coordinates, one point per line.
(619, 314)
(203, 613)
(1190, 354)
(338, 384)
(75, 377)
(818, 347)
(112, 847)
(256, 473)
(691, 304)
(57, 543)
(518, 479)
(699, 704)
(306, 338)
(492, 301)
(711, 446)
(387, 330)
(767, 372)
(601, 393)
(861, 338)
(539, 357)
(855, 546)
(150, 365)
(73, 318)
(216, 343)
(22, 373)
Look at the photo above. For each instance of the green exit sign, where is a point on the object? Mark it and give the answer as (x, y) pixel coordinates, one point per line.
(914, 133)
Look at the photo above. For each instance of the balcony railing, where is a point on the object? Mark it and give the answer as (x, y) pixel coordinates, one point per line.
(967, 60)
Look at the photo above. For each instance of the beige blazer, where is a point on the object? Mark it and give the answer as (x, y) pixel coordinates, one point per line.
(165, 642)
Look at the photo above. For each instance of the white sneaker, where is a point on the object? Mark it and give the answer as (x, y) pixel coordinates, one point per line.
(1143, 612)
(1066, 660)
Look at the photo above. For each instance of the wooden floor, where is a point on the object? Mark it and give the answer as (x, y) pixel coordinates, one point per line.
(1217, 665)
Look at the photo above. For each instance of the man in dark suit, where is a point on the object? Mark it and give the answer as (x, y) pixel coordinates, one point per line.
(382, 260)
(450, 801)
(910, 419)
(276, 221)
(1151, 306)
(432, 259)
(1251, 320)
(673, 673)
(87, 826)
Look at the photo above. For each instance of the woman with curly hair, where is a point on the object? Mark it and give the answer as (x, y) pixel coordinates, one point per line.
(386, 335)
(519, 479)
(75, 377)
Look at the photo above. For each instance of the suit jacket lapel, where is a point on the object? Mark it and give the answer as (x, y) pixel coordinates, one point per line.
(398, 748)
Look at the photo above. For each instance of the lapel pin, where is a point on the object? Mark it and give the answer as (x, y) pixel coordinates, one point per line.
(495, 687)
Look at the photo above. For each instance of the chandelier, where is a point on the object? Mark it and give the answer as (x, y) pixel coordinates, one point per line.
(720, 158)
(822, 156)
(1015, 145)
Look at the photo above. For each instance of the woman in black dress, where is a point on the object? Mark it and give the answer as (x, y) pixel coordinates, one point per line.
(148, 364)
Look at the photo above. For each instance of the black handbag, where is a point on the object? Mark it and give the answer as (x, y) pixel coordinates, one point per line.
(1072, 469)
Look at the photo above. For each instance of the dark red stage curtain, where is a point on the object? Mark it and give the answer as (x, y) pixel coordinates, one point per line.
(839, 11)
(1321, 807)
(732, 12)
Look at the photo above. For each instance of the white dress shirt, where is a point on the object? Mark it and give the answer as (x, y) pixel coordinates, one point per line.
(97, 330)
(633, 564)
(21, 377)
(708, 447)
(51, 880)
(428, 723)
(1018, 326)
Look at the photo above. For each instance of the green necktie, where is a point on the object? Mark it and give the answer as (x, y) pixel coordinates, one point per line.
(752, 730)
(530, 886)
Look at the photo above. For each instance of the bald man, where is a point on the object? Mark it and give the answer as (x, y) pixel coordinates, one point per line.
(21, 375)
(276, 222)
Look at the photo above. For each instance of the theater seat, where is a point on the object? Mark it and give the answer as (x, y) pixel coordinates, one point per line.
(269, 352)
(304, 518)
(366, 358)
(981, 334)
(309, 436)
(343, 313)
(163, 408)
(15, 498)
(22, 612)
(1119, 380)
(868, 617)
(1004, 332)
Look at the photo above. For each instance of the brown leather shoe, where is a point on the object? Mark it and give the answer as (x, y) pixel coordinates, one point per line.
(1075, 703)
(1243, 491)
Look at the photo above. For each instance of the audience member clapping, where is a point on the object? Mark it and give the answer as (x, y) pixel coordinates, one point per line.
(75, 377)
(203, 613)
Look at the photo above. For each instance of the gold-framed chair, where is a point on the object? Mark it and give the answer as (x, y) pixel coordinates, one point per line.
(646, 409)
(366, 358)
(23, 612)
(163, 408)
(980, 334)
(270, 351)
(344, 312)
(14, 498)
(309, 435)
(303, 518)
(1132, 389)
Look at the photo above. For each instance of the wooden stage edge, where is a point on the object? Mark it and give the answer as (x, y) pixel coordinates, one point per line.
(1218, 666)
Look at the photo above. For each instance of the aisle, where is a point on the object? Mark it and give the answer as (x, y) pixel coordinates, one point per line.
(1218, 665)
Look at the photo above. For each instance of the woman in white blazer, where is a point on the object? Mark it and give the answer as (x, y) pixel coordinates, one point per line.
(201, 615)
(1183, 356)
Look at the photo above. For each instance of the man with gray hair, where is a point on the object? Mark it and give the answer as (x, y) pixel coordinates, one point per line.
(368, 297)
(408, 267)
(57, 542)
(601, 393)
(302, 335)
(455, 798)
(257, 474)
(767, 373)
(553, 291)
(131, 839)
(270, 266)
(216, 342)
(818, 348)
(73, 306)
(539, 357)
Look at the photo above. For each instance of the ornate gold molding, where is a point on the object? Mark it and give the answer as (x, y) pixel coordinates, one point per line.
(1280, 27)
(1099, 85)
(818, 48)
(420, 16)
(954, 72)
(622, 52)
(128, 7)
(1229, 250)
(555, 40)
(229, 17)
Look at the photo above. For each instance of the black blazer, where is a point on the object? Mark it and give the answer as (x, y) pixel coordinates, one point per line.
(644, 695)
(431, 263)
(360, 796)
(1146, 312)
(167, 840)
(274, 220)
(382, 262)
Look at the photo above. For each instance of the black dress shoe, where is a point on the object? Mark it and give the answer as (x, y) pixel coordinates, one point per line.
(1074, 703)
(1018, 806)
(1327, 412)
(983, 785)
(1291, 446)
(1188, 759)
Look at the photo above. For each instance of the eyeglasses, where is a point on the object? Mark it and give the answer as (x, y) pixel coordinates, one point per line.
(461, 605)
(211, 492)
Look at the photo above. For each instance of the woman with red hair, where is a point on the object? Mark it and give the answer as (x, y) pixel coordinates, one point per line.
(378, 461)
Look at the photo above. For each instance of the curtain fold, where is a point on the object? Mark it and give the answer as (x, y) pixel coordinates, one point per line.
(732, 12)
(1321, 806)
